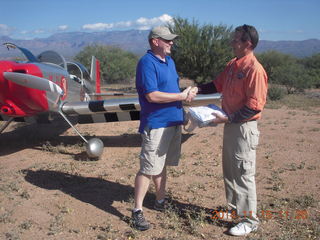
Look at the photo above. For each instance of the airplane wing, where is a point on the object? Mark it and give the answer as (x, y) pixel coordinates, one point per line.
(109, 95)
(124, 109)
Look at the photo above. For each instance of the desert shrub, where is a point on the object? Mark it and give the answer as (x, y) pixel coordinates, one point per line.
(275, 93)
(293, 77)
(294, 74)
(201, 51)
(312, 64)
(272, 61)
(117, 65)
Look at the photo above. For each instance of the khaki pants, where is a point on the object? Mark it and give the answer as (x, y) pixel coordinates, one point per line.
(239, 167)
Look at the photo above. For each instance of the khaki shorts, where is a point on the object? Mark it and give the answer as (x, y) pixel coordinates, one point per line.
(160, 147)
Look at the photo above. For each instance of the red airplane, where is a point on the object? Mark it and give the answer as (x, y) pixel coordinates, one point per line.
(48, 84)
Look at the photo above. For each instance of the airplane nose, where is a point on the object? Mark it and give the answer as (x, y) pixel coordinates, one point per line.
(17, 100)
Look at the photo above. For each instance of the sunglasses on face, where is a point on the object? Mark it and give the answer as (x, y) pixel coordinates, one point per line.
(166, 41)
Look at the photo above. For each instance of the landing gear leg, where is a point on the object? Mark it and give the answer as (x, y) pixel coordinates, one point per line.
(94, 145)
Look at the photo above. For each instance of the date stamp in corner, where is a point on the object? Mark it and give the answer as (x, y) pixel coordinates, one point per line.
(296, 214)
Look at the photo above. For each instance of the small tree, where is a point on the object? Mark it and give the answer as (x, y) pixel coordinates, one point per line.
(200, 52)
(286, 70)
(116, 65)
(272, 60)
(312, 64)
(275, 93)
(294, 77)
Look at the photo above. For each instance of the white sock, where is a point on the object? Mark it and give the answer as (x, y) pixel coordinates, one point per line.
(137, 209)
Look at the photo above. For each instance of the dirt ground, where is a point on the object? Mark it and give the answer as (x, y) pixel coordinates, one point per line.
(50, 190)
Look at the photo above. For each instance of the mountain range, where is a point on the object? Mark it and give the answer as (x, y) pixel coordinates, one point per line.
(69, 44)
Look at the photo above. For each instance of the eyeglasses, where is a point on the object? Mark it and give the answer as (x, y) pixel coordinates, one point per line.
(166, 41)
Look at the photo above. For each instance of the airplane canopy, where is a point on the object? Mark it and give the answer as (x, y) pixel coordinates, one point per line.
(52, 57)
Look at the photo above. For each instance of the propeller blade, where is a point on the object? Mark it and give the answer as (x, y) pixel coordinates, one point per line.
(31, 81)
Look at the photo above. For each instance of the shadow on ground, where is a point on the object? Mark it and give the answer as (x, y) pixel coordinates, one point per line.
(102, 193)
(36, 135)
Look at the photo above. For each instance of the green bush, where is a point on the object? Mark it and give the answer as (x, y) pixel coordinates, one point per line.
(272, 61)
(116, 65)
(200, 52)
(293, 77)
(275, 93)
(312, 65)
(294, 74)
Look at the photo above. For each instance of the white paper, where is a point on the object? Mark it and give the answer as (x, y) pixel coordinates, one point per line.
(202, 116)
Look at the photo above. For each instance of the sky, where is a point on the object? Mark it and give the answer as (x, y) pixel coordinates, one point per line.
(274, 19)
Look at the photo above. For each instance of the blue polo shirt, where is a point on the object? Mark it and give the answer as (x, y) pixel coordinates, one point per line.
(153, 74)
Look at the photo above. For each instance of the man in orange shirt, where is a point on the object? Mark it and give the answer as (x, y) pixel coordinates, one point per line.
(243, 85)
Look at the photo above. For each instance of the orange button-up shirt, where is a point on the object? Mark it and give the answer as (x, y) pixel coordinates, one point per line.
(244, 82)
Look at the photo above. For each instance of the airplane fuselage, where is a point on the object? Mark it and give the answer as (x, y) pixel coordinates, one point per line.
(20, 101)
(16, 100)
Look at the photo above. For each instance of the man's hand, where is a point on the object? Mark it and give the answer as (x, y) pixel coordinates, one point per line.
(164, 97)
(189, 93)
(185, 93)
(220, 118)
(192, 94)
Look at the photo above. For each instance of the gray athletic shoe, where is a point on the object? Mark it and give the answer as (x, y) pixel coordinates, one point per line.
(160, 206)
(139, 222)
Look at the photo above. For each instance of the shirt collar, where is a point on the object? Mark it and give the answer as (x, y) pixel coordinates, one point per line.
(158, 59)
(241, 61)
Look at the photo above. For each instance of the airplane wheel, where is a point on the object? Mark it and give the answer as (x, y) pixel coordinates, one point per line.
(95, 148)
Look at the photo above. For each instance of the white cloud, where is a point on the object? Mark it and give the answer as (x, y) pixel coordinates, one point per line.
(143, 28)
(141, 23)
(97, 26)
(147, 23)
(38, 31)
(166, 18)
(63, 27)
(123, 24)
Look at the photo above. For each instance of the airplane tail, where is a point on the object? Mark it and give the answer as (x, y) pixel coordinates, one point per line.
(95, 75)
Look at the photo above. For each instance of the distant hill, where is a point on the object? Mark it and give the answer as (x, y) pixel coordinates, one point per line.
(298, 49)
(69, 44)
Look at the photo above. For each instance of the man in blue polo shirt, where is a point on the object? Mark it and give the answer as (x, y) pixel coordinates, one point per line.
(161, 116)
